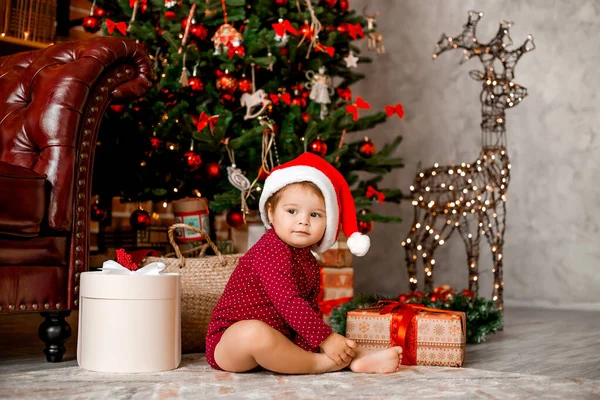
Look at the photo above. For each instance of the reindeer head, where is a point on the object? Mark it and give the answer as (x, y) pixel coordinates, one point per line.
(370, 18)
(498, 86)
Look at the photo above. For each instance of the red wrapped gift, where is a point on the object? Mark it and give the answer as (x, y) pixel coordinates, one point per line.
(428, 336)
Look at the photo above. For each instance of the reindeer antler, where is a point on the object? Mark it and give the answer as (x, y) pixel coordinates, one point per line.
(486, 52)
(369, 16)
(510, 58)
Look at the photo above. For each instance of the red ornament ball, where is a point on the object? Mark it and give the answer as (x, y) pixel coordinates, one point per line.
(99, 12)
(117, 108)
(299, 101)
(192, 160)
(281, 3)
(344, 5)
(213, 170)
(227, 99)
(195, 84)
(262, 175)
(227, 83)
(98, 213)
(155, 142)
(170, 15)
(365, 227)
(318, 147)
(199, 31)
(284, 51)
(367, 148)
(245, 85)
(91, 24)
(329, 3)
(140, 220)
(235, 219)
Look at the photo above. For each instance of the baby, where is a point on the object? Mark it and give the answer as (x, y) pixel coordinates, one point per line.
(268, 315)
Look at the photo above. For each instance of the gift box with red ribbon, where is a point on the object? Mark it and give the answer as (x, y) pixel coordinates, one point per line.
(337, 287)
(428, 336)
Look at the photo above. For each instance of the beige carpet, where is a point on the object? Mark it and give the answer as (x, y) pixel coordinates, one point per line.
(196, 380)
(541, 354)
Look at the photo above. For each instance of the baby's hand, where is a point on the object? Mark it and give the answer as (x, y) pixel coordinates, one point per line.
(338, 348)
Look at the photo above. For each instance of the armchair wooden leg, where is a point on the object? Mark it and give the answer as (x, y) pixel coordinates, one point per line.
(54, 332)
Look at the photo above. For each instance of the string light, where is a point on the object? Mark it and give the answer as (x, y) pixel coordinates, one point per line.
(473, 191)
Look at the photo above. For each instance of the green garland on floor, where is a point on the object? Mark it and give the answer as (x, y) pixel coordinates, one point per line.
(483, 316)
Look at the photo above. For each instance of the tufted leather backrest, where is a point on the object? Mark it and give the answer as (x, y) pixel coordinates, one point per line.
(43, 96)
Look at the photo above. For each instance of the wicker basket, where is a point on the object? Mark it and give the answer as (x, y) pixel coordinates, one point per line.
(203, 280)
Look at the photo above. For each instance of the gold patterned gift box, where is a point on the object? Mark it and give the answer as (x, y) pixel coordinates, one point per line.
(337, 282)
(337, 287)
(338, 255)
(427, 336)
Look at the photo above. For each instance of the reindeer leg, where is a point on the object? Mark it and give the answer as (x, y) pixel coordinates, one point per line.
(429, 246)
(498, 255)
(410, 246)
(473, 262)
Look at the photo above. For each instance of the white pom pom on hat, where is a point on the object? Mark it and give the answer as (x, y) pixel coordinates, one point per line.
(339, 203)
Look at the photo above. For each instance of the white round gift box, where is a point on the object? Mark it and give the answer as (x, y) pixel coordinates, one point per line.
(129, 323)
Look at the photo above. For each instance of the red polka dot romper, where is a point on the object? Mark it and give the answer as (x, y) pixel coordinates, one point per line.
(277, 284)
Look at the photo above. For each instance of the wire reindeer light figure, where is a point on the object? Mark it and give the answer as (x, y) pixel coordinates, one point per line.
(471, 198)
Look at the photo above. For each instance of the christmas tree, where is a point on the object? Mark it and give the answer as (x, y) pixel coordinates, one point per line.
(240, 87)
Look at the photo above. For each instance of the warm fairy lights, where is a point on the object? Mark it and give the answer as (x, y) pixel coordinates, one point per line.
(470, 198)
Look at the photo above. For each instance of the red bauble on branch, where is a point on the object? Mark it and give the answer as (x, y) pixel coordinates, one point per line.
(195, 84)
(156, 143)
(140, 220)
(226, 83)
(281, 3)
(318, 147)
(98, 213)
(91, 24)
(192, 160)
(365, 227)
(329, 3)
(213, 170)
(117, 108)
(235, 219)
(344, 5)
(262, 175)
(245, 85)
(367, 148)
(170, 15)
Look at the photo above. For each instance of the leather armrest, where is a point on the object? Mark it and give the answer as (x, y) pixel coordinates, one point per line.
(22, 200)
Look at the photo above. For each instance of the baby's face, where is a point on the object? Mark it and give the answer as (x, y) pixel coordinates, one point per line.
(299, 217)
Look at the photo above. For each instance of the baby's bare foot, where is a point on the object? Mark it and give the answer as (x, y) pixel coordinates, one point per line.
(378, 361)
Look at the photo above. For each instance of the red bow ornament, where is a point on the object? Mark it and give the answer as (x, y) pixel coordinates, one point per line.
(282, 27)
(397, 109)
(206, 120)
(143, 4)
(326, 49)
(285, 97)
(232, 51)
(344, 93)
(372, 192)
(353, 108)
(355, 30)
(120, 26)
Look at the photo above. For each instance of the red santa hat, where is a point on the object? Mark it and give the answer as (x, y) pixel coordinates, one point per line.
(339, 203)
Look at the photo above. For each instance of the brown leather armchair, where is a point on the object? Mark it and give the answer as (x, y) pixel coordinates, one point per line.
(51, 106)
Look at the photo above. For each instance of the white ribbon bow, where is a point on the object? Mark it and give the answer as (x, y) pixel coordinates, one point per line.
(113, 267)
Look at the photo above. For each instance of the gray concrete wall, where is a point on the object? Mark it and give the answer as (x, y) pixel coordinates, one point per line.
(552, 251)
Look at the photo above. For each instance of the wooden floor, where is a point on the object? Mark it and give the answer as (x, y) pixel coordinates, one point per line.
(562, 344)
